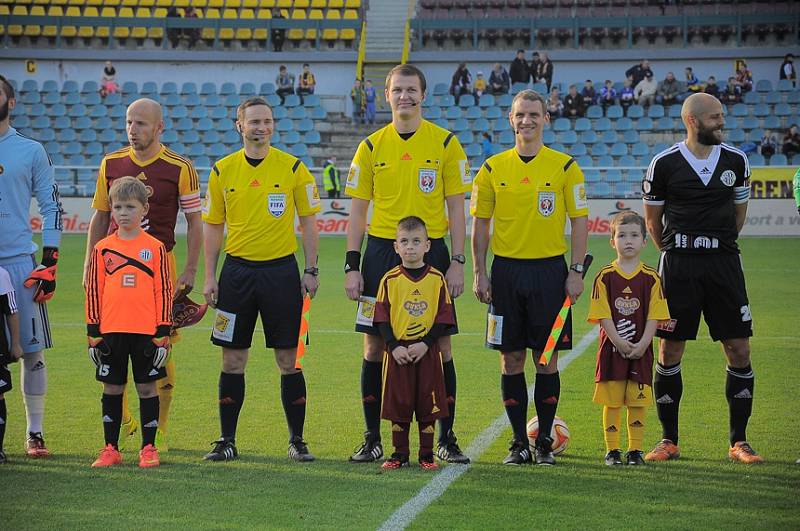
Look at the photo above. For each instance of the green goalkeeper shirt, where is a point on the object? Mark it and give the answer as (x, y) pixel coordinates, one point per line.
(797, 188)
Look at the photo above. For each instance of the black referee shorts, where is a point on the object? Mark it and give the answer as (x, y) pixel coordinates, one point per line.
(709, 283)
(5, 379)
(247, 289)
(379, 257)
(526, 298)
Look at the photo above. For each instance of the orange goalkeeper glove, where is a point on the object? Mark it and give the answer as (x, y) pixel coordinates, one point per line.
(44, 276)
(160, 350)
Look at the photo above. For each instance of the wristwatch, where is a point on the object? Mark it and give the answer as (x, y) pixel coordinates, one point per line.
(460, 258)
(313, 271)
(578, 268)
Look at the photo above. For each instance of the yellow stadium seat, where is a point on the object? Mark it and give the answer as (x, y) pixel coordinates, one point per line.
(227, 34)
(95, 3)
(212, 13)
(266, 3)
(301, 4)
(112, 3)
(4, 10)
(331, 34)
(157, 32)
(181, 3)
(15, 30)
(147, 3)
(76, 2)
(297, 34)
(319, 4)
(245, 34)
(349, 34)
(208, 33)
(352, 4)
(285, 3)
(199, 3)
(233, 4)
(20, 2)
(216, 3)
(41, 2)
(140, 32)
(70, 31)
(123, 32)
(130, 3)
(34, 30)
(335, 4)
(250, 4)
(89, 31)
(52, 11)
(57, 2)
(260, 34)
(314, 14)
(163, 3)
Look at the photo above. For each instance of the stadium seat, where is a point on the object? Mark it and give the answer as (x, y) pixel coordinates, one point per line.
(461, 124)
(749, 123)
(640, 149)
(599, 150)
(179, 112)
(208, 88)
(312, 138)
(506, 137)
(594, 112)
(630, 136)
(778, 159)
(548, 136)
(761, 110)
(466, 100)
(602, 124)
(613, 176)
(644, 124)
(486, 100)
(627, 160)
(290, 137)
(196, 150)
(664, 124)
(473, 113)
(205, 124)
(213, 100)
(481, 125)
(198, 112)
(67, 135)
(184, 124)
(635, 111)
(772, 122)
(578, 150)
(50, 98)
(567, 137)
(298, 113)
(782, 109)
(773, 97)
(561, 124)
(440, 89)
(591, 176)
(756, 159)
(169, 137)
(190, 137)
(763, 85)
(614, 112)
(654, 111)
(588, 137)
(585, 161)
(624, 124)
(466, 137)
(583, 124)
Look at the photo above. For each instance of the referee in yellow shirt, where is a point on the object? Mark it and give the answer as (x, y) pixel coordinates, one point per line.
(410, 167)
(256, 192)
(529, 190)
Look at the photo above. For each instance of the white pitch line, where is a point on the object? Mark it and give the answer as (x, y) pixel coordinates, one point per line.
(403, 516)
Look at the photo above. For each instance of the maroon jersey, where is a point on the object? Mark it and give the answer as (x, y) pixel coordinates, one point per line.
(629, 300)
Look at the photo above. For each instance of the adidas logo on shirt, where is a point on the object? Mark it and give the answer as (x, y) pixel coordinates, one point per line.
(152, 424)
(627, 290)
(153, 372)
(107, 419)
(3, 382)
(705, 170)
(665, 399)
(744, 393)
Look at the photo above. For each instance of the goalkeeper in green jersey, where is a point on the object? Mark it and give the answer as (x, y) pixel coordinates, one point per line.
(797, 189)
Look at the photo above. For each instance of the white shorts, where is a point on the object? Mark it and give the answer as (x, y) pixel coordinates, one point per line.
(33, 321)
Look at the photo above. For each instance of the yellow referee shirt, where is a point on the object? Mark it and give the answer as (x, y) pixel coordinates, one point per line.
(409, 177)
(529, 201)
(259, 204)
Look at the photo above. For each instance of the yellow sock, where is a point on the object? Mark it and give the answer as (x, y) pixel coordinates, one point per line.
(636, 417)
(126, 410)
(165, 387)
(611, 420)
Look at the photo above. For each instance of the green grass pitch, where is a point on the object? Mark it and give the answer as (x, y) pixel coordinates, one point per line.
(265, 490)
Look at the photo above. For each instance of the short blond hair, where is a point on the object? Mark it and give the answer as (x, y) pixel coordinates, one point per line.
(252, 102)
(126, 188)
(530, 95)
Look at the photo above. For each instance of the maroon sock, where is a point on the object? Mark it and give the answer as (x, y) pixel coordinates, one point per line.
(400, 437)
(426, 438)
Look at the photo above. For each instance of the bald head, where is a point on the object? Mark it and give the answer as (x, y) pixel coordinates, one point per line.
(144, 124)
(704, 118)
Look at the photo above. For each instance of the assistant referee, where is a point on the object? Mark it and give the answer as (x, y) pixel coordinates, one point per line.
(256, 192)
(529, 190)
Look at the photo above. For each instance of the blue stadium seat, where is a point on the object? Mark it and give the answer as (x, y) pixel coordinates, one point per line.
(318, 113)
(664, 124)
(87, 135)
(558, 146)
(290, 137)
(548, 136)
(276, 138)
(459, 125)
(291, 100)
(561, 124)
(588, 137)
(466, 100)
(227, 88)
(299, 150)
(117, 111)
(784, 85)
(127, 87)
(428, 101)
(773, 98)
(583, 124)
(481, 125)
(763, 85)
(305, 125)
(103, 123)
(640, 149)
(29, 85)
(633, 176)
(190, 137)
(659, 147)
(518, 87)
(751, 98)
(441, 122)
(796, 160)
(30, 98)
(202, 164)
(635, 111)
(178, 148)
(473, 150)
(49, 85)
(312, 138)
(46, 135)
(149, 89)
(504, 100)
(184, 124)
(93, 148)
(69, 87)
(284, 124)
(506, 137)
(170, 87)
(311, 100)
(51, 98)
(601, 189)
(627, 160)
(594, 112)
(266, 89)
(585, 161)
(750, 122)
(90, 87)
(473, 113)
(279, 113)
(113, 99)
(624, 124)
(599, 150)
(192, 100)
(778, 159)
(78, 111)
(578, 150)
(541, 88)
(630, 137)
(772, 122)
(499, 125)
(655, 111)
(107, 136)
(614, 111)
(567, 137)
(494, 113)
(613, 176)
(71, 148)
(214, 100)
(273, 99)
(602, 124)
(761, 110)
(644, 124)
(205, 124)
(756, 159)
(740, 110)
(675, 110)
(433, 113)
(782, 109)
(198, 113)
(37, 109)
(169, 137)
(453, 113)
(178, 112)
(98, 111)
(52, 147)
(196, 150)
(592, 176)
(486, 100)
(188, 87)
(130, 97)
(172, 100)
(618, 149)
(298, 113)
(440, 89)
(208, 88)
(211, 137)
(21, 122)
(231, 100)
(445, 101)
(231, 137)
(466, 137)
(608, 137)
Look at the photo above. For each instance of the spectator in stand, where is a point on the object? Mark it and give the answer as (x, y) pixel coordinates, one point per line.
(732, 93)
(744, 78)
(307, 82)
(608, 94)
(574, 105)
(359, 99)
(712, 87)
(544, 71)
(768, 145)
(589, 93)
(108, 82)
(499, 81)
(791, 142)
(173, 34)
(370, 102)
(533, 66)
(461, 83)
(480, 85)
(519, 69)
(191, 33)
(668, 90)
(637, 73)
(645, 92)
(554, 105)
(487, 147)
(284, 83)
(626, 97)
(787, 69)
(692, 83)
(278, 34)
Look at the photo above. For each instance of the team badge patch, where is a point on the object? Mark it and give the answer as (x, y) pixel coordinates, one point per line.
(145, 255)
(494, 329)
(313, 195)
(579, 194)
(427, 179)
(224, 323)
(366, 311)
(352, 176)
(646, 187)
(728, 178)
(276, 204)
(466, 174)
(547, 203)
(667, 325)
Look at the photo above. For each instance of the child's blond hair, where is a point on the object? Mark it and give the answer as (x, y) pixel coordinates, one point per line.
(126, 188)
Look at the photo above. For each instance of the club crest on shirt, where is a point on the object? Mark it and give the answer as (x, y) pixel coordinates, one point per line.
(427, 179)
(547, 203)
(276, 204)
(145, 255)
(626, 306)
(728, 178)
(415, 308)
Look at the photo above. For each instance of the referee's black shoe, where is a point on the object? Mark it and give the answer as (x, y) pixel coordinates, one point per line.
(519, 453)
(368, 451)
(449, 451)
(298, 450)
(544, 451)
(224, 450)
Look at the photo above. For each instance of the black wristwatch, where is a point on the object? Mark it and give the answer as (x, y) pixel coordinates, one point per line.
(578, 268)
(460, 258)
(313, 271)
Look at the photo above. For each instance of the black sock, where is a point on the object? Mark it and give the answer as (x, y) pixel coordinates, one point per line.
(515, 399)
(112, 418)
(739, 391)
(293, 397)
(546, 393)
(668, 388)
(371, 374)
(148, 412)
(3, 417)
(231, 398)
(446, 423)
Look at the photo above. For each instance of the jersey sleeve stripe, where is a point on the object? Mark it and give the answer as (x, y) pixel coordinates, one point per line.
(651, 168)
(569, 163)
(296, 165)
(369, 144)
(166, 292)
(488, 168)
(194, 181)
(448, 139)
(216, 170)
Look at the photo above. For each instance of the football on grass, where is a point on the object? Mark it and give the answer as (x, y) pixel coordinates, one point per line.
(559, 434)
